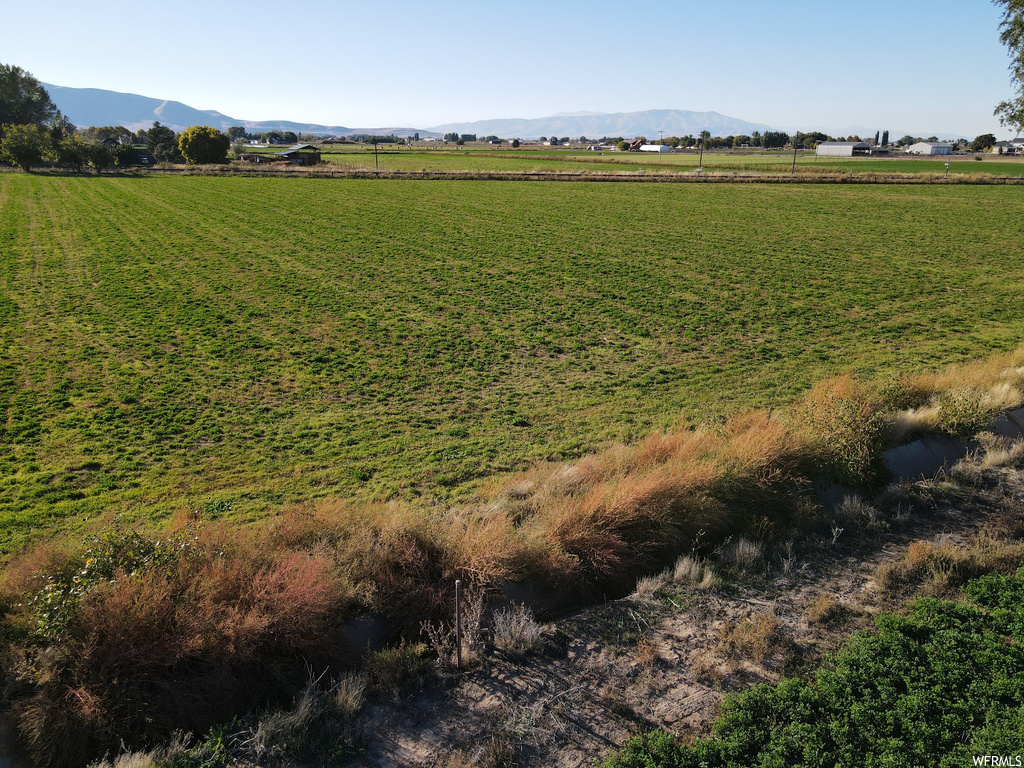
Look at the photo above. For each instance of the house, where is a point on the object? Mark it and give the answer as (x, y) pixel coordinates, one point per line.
(1011, 147)
(842, 148)
(930, 148)
(655, 148)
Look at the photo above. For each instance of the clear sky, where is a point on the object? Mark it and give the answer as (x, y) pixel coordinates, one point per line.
(910, 66)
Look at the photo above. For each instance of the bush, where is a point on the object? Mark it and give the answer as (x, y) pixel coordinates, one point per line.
(933, 688)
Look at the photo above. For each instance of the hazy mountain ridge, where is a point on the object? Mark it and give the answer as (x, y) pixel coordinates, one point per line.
(95, 106)
(674, 122)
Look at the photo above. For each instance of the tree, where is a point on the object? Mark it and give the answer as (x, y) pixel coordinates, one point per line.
(70, 152)
(163, 143)
(23, 145)
(885, 138)
(201, 145)
(1011, 111)
(100, 155)
(515, 143)
(774, 139)
(983, 142)
(236, 132)
(23, 100)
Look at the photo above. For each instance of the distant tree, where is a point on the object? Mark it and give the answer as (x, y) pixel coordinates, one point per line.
(60, 128)
(468, 137)
(885, 138)
(71, 152)
(289, 137)
(23, 99)
(583, 139)
(564, 140)
(906, 141)
(774, 139)
(983, 142)
(451, 137)
(877, 138)
(416, 136)
(543, 138)
(100, 155)
(236, 132)
(932, 138)
(109, 133)
(1011, 111)
(163, 143)
(515, 143)
(23, 145)
(202, 145)
(812, 138)
(623, 145)
(124, 155)
(739, 141)
(238, 147)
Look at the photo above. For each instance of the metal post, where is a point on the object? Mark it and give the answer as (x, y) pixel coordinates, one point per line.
(376, 167)
(796, 140)
(458, 624)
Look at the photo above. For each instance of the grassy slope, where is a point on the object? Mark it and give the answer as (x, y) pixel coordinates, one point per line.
(172, 341)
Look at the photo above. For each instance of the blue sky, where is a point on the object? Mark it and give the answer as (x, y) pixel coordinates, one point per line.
(910, 66)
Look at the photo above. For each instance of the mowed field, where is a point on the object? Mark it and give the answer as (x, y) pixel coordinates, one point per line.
(238, 344)
(452, 158)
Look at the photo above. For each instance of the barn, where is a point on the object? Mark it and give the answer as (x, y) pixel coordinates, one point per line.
(300, 154)
(842, 148)
(930, 148)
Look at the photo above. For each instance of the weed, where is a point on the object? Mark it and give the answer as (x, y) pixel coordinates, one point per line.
(515, 630)
(391, 671)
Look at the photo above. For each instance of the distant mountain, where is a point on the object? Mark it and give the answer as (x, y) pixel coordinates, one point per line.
(93, 106)
(674, 122)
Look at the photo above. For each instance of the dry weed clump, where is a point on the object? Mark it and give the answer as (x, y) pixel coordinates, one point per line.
(845, 424)
(939, 568)
(756, 637)
(960, 399)
(515, 630)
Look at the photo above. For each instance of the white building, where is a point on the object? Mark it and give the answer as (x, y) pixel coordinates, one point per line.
(655, 148)
(842, 148)
(930, 148)
(1011, 147)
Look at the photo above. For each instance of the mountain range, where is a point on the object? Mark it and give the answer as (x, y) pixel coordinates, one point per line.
(94, 106)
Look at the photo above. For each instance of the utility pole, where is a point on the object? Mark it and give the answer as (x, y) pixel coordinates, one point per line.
(796, 140)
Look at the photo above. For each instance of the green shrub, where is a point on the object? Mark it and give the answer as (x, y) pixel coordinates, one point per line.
(933, 688)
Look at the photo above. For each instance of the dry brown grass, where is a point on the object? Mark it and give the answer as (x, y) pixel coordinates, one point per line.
(757, 637)
(939, 568)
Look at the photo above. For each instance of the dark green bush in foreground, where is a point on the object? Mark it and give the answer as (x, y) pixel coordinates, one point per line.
(934, 688)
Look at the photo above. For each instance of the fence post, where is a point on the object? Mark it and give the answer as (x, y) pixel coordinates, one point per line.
(458, 624)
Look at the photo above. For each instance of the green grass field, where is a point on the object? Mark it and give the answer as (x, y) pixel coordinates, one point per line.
(475, 158)
(242, 343)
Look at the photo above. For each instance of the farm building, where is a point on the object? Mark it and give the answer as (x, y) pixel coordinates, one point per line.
(655, 148)
(300, 154)
(1011, 147)
(930, 148)
(842, 148)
